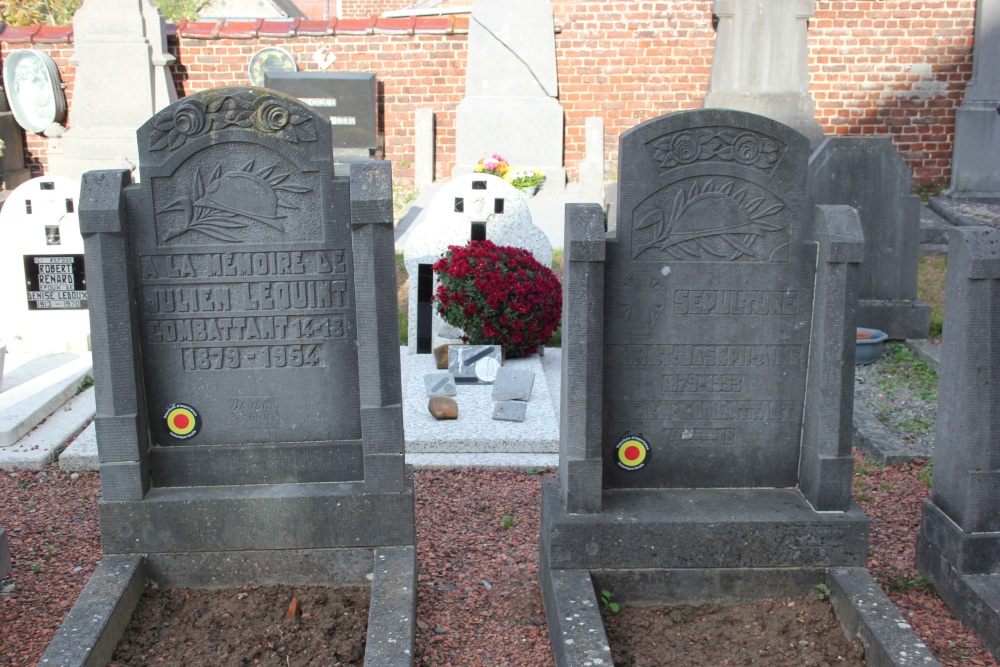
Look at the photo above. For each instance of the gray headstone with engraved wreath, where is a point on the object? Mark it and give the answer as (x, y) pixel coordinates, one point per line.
(707, 375)
(246, 357)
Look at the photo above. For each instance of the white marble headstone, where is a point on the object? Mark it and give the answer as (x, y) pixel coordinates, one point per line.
(464, 203)
(43, 305)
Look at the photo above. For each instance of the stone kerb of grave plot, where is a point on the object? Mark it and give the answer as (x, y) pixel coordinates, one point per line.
(470, 207)
(959, 542)
(708, 349)
(42, 273)
(868, 174)
(247, 371)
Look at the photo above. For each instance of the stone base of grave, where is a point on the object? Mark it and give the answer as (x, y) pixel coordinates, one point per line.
(577, 635)
(701, 528)
(257, 517)
(965, 569)
(101, 614)
(695, 546)
(709, 547)
(900, 319)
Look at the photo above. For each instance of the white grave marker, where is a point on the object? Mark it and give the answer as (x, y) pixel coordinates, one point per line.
(470, 207)
(43, 287)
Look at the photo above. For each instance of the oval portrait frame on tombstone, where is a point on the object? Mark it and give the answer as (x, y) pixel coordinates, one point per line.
(270, 59)
(34, 90)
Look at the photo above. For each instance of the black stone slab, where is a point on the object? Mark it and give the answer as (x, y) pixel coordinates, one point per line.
(55, 282)
(868, 174)
(708, 302)
(348, 100)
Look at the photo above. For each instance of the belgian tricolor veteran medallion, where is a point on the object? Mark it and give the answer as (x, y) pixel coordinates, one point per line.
(632, 453)
(182, 421)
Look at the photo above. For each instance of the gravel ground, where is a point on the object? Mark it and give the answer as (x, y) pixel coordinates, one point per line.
(479, 602)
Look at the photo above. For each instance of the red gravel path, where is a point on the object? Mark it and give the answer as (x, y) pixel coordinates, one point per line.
(478, 598)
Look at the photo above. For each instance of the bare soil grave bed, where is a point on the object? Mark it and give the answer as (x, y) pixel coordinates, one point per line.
(799, 631)
(249, 625)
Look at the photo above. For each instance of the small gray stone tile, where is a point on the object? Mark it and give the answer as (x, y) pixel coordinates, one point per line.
(513, 384)
(440, 384)
(474, 364)
(509, 411)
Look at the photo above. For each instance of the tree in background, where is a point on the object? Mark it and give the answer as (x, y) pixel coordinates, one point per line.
(60, 12)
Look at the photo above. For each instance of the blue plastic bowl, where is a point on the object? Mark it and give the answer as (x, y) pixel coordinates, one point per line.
(868, 350)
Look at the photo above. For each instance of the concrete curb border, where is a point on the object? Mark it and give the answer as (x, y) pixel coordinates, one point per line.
(578, 638)
(99, 617)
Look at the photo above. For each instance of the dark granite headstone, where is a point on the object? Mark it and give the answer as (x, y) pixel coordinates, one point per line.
(708, 348)
(241, 302)
(709, 292)
(348, 100)
(868, 174)
(959, 542)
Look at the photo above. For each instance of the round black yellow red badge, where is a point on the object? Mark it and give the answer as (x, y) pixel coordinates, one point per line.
(182, 421)
(632, 453)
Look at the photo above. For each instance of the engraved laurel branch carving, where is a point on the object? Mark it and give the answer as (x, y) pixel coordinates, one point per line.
(233, 200)
(193, 117)
(689, 146)
(681, 237)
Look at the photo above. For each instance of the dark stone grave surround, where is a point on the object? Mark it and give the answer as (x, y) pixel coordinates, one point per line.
(868, 174)
(244, 326)
(708, 349)
(958, 547)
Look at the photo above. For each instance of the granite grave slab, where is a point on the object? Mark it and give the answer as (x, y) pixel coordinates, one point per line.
(707, 379)
(245, 342)
(513, 384)
(868, 174)
(510, 411)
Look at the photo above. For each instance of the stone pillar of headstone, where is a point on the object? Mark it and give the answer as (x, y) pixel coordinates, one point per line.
(826, 466)
(592, 168)
(959, 542)
(868, 174)
(423, 150)
(974, 170)
(375, 292)
(582, 384)
(12, 169)
(122, 78)
(511, 90)
(121, 422)
(4, 553)
(761, 62)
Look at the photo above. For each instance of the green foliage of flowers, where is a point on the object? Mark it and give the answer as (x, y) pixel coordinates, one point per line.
(60, 12)
(522, 177)
(498, 295)
(46, 12)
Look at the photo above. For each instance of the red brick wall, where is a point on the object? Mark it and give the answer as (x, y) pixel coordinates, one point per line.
(894, 67)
